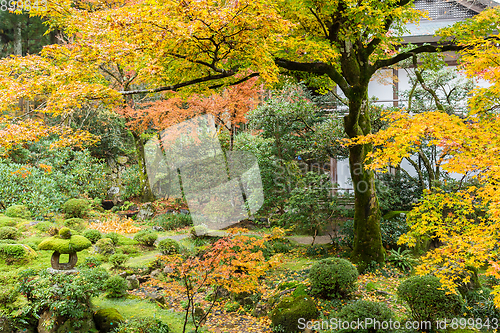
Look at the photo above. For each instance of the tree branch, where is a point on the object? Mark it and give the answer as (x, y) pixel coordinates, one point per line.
(236, 82)
(421, 49)
(315, 68)
(177, 86)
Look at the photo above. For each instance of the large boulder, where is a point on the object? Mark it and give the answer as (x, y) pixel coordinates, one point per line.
(132, 282)
(289, 310)
(146, 212)
(107, 319)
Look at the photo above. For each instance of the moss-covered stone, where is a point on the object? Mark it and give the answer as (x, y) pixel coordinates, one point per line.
(72, 245)
(107, 319)
(289, 310)
(15, 252)
(8, 233)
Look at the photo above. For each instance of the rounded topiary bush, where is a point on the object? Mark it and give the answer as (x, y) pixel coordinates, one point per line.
(427, 299)
(105, 246)
(92, 235)
(333, 278)
(75, 223)
(285, 316)
(76, 207)
(118, 260)
(106, 320)
(146, 237)
(8, 233)
(115, 287)
(18, 211)
(362, 310)
(168, 246)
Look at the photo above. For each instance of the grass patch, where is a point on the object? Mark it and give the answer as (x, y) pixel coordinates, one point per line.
(297, 264)
(137, 308)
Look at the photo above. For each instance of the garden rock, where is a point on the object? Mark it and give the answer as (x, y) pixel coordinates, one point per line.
(289, 310)
(146, 212)
(158, 228)
(156, 297)
(107, 319)
(154, 274)
(261, 309)
(168, 270)
(122, 160)
(132, 282)
(114, 195)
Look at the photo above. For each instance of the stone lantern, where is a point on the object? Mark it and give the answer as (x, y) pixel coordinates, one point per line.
(64, 243)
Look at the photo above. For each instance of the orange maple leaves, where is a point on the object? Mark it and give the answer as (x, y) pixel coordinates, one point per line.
(228, 108)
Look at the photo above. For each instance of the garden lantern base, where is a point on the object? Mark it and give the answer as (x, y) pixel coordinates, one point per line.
(54, 261)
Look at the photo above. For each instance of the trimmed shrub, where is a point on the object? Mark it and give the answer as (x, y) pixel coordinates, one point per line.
(115, 287)
(146, 237)
(8, 233)
(285, 316)
(427, 299)
(76, 207)
(333, 278)
(106, 320)
(92, 235)
(360, 310)
(168, 246)
(75, 223)
(118, 260)
(18, 211)
(105, 246)
(113, 236)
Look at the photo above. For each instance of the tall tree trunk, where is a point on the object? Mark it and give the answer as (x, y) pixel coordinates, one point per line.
(146, 192)
(367, 245)
(18, 38)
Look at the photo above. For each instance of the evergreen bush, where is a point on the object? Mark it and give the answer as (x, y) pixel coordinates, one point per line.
(428, 300)
(333, 278)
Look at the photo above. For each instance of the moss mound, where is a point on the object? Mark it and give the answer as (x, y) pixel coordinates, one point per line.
(105, 246)
(107, 320)
(18, 211)
(74, 244)
(285, 316)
